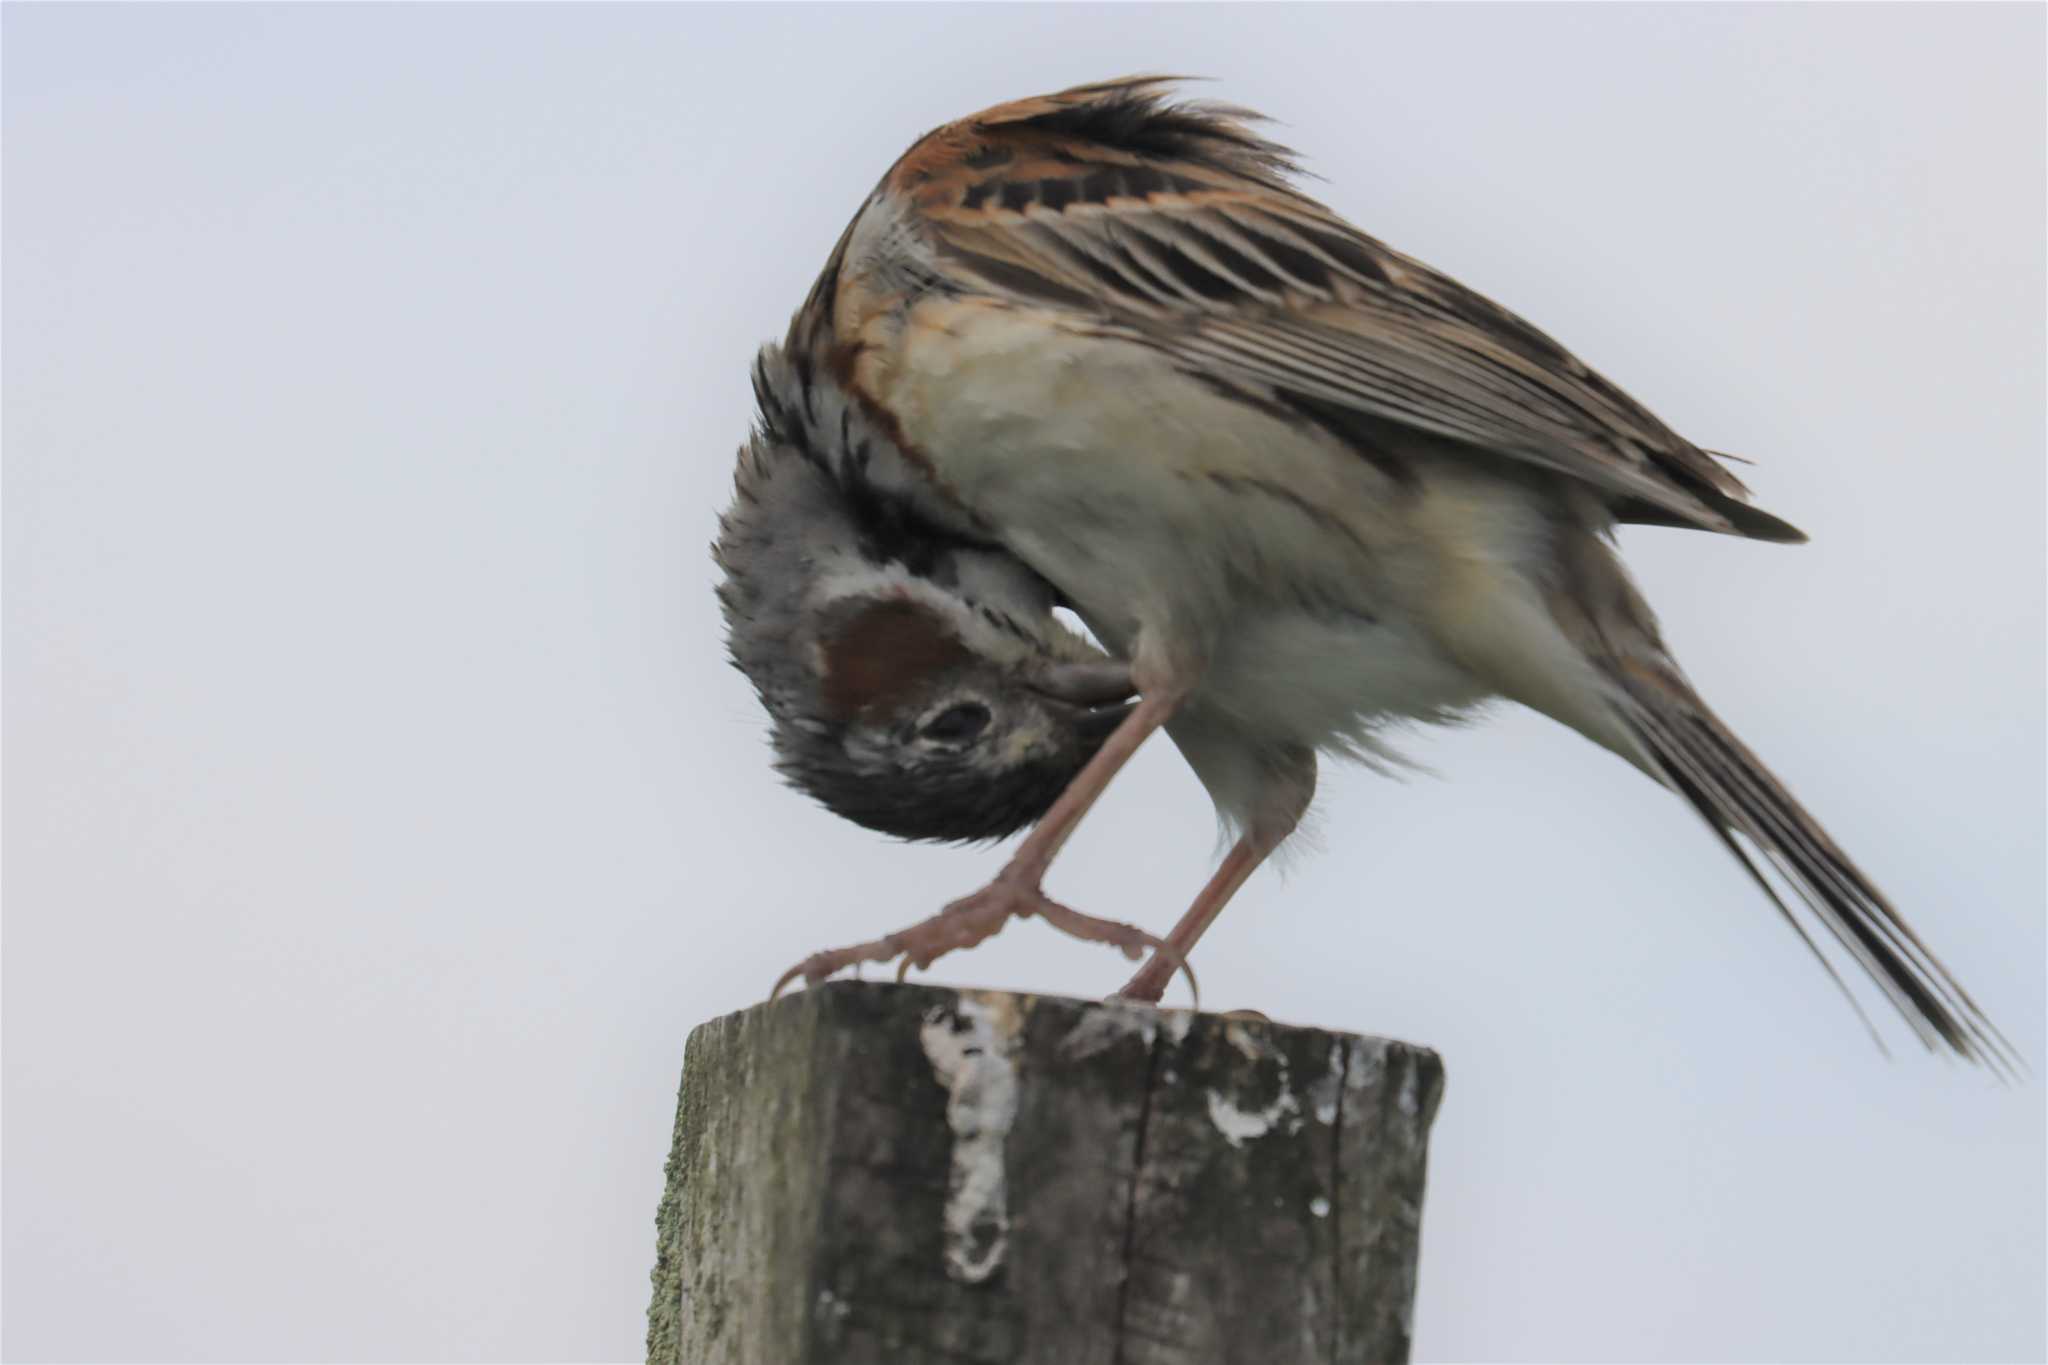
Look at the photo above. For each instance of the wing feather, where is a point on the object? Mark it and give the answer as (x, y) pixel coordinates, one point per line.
(1177, 226)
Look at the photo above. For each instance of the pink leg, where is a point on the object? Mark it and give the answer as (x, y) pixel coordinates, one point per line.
(1015, 891)
(1151, 981)
(1291, 782)
(1028, 865)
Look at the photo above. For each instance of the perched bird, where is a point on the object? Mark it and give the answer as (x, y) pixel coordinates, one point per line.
(1302, 483)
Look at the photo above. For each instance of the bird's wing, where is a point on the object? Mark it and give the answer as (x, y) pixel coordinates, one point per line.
(1176, 226)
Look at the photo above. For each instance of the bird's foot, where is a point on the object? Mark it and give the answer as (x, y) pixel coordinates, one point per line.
(1149, 985)
(972, 919)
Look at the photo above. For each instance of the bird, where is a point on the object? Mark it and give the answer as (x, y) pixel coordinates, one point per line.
(1302, 487)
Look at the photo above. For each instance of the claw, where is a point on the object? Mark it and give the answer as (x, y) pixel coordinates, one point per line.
(1128, 939)
(782, 982)
(818, 966)
(970, 920)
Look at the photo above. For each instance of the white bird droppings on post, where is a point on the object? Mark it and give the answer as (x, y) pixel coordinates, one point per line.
(970, 1045)
(1241, 1038)
(1239, 1125)
(1178, 1022)
(1100, 1028)
(1115, 1019)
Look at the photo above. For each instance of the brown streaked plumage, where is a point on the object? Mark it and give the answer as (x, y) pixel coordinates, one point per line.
(1178, 230)
(1302, 482)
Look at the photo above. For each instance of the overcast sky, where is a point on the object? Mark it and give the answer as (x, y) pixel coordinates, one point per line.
(381, 814)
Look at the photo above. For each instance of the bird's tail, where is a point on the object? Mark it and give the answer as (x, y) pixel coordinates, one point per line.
(1771, 833)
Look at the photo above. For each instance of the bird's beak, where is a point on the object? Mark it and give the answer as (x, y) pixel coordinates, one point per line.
(1099, 723)
(1087, 683)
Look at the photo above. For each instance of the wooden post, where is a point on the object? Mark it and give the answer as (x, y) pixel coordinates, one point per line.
(898, 1175)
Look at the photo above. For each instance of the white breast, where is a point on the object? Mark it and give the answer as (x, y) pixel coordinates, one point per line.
(1160, 506)
(1147, 497)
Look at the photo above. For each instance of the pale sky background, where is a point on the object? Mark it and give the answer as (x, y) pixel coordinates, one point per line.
(382, 814)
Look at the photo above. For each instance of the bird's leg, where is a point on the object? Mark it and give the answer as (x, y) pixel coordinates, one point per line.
(1027, 866)
(1015, 892)
(1152, 979)
(1288, 798)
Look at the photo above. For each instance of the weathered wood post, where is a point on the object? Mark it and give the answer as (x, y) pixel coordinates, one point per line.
(892, 1175)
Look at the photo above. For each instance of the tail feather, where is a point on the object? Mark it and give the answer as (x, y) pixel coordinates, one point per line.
(1765, 826)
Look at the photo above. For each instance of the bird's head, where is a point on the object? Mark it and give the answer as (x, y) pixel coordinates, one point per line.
(915, 733)
(917, 681)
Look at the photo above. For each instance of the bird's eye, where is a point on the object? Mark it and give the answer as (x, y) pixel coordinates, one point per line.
(957, 724)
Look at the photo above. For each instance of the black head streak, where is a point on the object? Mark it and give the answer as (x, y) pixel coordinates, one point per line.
(890, 530)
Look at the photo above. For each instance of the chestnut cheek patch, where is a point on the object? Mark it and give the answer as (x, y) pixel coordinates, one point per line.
(884, 651)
